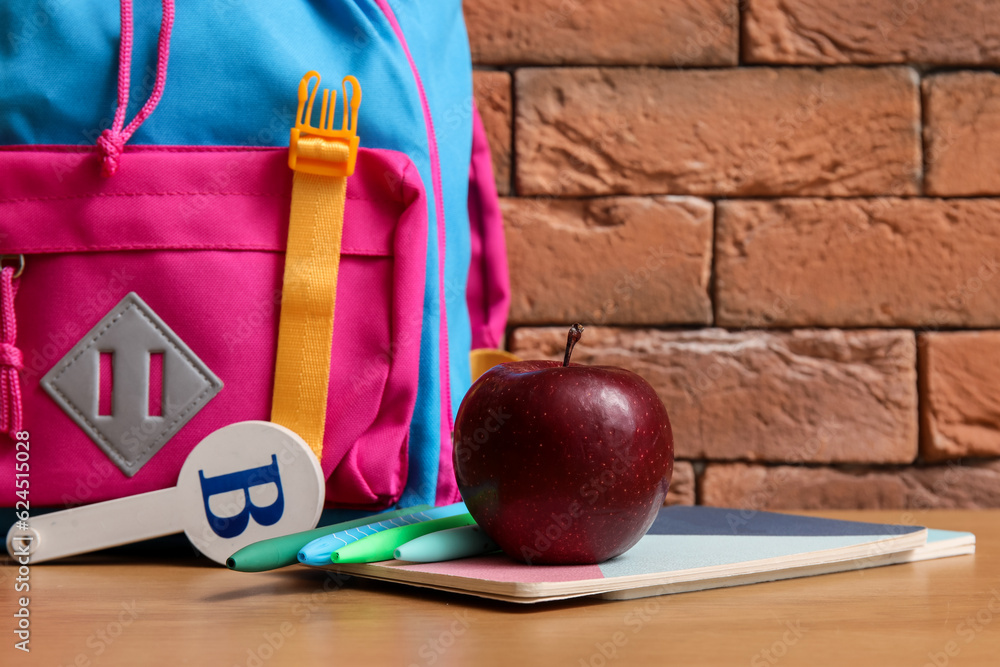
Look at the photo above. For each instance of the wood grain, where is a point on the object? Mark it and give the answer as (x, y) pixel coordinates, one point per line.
(174, 608)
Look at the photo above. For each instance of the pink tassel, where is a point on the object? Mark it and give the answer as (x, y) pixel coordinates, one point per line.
(11, 360)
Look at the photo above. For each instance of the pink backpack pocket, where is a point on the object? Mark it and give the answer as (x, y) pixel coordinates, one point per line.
(187, 246)
(488, 292)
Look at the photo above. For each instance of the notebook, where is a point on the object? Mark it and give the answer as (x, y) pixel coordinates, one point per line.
(686, 549)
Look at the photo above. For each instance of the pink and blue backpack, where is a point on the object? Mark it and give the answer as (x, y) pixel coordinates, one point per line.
(144, 207)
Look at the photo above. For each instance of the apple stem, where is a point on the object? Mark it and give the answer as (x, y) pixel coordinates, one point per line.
(572, 339)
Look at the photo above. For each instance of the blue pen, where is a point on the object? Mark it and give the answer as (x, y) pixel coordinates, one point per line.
(449, 544)
(319, 550)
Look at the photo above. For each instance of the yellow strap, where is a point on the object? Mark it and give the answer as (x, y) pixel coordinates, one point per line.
(483, 359)
(305, 333)
(322, 159)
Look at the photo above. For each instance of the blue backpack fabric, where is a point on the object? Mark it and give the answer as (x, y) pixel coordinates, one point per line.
(233, 73)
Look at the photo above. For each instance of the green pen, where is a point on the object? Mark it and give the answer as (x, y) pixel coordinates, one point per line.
(381, 546)
(282, 551)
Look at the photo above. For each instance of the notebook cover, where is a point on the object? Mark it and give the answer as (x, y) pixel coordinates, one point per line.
(687, 548)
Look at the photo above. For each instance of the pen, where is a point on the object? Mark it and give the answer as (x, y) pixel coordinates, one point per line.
(281, 551)
(318, 551)
(381, 546)
(449, 544)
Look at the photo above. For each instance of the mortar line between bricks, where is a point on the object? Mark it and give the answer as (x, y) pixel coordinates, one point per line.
(742, 38)
(922, 103)
(850, 467)
(820, 67)
(512, 176)
(713, 294)
(922, 378)
(916, 330)
(715, 198)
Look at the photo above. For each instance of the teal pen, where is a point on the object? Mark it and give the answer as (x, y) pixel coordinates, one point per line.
(318, 551)
(447, 544)
(381, 546)
(276, 552)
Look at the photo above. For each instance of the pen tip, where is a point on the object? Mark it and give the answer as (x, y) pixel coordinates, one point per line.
(231, 563)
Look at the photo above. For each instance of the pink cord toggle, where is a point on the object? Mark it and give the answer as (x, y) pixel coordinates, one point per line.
(111, 143)
(11, 360)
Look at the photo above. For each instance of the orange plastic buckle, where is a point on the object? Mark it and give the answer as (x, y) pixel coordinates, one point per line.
(324, 150)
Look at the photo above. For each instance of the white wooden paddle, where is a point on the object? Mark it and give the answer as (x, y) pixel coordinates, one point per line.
(243, 483)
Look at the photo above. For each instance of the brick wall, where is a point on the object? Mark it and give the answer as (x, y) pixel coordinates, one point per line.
(785, 214)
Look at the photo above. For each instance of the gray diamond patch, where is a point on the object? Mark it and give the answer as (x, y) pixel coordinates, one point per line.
(132, 333)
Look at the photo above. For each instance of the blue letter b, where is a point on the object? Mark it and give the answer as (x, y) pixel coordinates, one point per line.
(231, 526)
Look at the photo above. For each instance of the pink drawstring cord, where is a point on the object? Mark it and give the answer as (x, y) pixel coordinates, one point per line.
(11, 361)
(112, 141)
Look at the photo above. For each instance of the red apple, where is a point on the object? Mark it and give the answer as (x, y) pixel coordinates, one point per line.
(563, 463)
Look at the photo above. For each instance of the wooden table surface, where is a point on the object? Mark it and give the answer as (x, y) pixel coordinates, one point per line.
(174, 608)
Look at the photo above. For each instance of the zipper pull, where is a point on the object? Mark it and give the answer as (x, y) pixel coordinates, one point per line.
(11, 359)
(323, 150)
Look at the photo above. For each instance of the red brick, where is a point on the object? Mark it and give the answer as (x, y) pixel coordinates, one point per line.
(801, 396)
(959, 401)
(682, 489)
(614, 260)
(493, 99)
(962, 133)
(882, 262)
(757, 487)
(757, 131)
(820, 32)
(625, 32)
